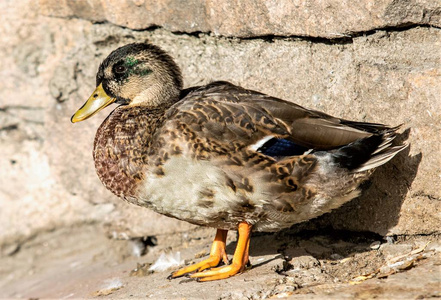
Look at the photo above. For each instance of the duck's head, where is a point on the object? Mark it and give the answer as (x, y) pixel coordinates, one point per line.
(135, 74)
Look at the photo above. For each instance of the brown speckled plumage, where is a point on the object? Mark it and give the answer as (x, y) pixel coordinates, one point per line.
(220, 155)
(121, 147)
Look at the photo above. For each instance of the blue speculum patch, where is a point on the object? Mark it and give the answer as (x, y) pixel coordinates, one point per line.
(281, 147)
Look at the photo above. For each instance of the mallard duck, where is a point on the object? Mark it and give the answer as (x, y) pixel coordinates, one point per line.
(223, 156)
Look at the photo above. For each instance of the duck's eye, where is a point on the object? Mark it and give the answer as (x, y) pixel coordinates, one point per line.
(120, 69)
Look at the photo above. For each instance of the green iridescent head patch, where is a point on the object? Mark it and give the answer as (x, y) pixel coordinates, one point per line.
(131, 61)
(134, 67)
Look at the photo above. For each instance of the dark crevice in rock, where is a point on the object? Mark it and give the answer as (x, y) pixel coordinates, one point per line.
(9, 127)
(150, 28)
(390, 29)
(423, 194)
(344, 38)
(341, 38)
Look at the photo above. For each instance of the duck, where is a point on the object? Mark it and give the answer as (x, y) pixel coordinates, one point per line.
(223, 156)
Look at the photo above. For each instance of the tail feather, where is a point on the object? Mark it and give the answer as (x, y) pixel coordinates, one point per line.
(370, 152)
(381, 158)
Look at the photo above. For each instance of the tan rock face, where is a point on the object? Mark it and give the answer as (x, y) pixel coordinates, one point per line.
(49, 65)
(327, 19)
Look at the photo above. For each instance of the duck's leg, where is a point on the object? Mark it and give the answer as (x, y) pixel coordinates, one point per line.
(216, 254)
(240, 258)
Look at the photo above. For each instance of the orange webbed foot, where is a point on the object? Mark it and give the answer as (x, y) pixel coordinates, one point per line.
(216, 254)
(240, 258)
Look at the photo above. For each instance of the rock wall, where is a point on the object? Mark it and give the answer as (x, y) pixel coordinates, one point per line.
(375, 63)
(328, 19)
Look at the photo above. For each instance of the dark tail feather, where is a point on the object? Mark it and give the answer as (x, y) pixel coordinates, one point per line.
(370, 152)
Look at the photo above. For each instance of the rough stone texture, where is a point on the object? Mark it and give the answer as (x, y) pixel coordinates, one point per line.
(38, 191)
(319, 266)
(48, 65)
(312, 18)
(48, 182)
(368, 79)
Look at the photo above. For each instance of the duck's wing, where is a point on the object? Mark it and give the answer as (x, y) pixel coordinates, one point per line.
(227, 112)
(214, 114)
(311, 128)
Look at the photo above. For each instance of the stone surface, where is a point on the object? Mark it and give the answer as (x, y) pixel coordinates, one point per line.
(55, 265)
(50, 194)
(37, 61)
(316, 18)
(385, 77)
(49, 64)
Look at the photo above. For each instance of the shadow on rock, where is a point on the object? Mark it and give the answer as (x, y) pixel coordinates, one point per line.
(306, 247)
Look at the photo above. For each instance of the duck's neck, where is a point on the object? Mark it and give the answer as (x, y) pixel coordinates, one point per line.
(122, 144)
(157, 95)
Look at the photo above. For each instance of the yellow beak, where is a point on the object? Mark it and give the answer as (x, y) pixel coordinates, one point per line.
(94, 104)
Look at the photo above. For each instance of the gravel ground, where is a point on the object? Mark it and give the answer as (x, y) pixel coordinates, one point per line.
(82, 262)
